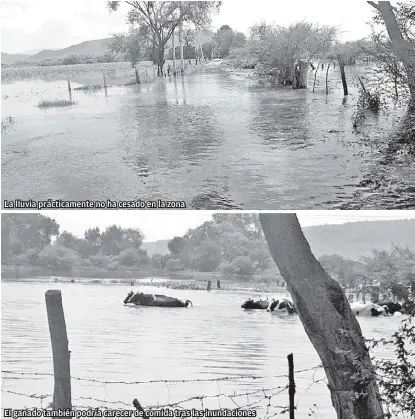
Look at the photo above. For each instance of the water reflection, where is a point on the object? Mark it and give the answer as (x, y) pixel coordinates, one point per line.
(208, 139)
(110, 342)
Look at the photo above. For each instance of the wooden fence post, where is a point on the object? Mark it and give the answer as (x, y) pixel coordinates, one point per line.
(69, 89)
(343, 74)
(291, 384)
(60, 351)
(327, 83)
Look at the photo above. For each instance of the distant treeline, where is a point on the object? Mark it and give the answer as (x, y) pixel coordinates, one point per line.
(232, 245)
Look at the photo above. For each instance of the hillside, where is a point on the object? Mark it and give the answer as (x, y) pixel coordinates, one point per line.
(12, 58)
(94, 48)
(354, 240)
(159, 246)
(351, 240)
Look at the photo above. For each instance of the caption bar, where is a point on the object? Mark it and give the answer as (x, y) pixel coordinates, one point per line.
(123, 413)
(51, 204)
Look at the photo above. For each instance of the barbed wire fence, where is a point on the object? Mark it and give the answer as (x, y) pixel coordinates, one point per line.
(266, 399)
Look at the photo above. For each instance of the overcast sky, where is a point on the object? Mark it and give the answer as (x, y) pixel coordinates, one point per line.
(30, 26)
(159, 225)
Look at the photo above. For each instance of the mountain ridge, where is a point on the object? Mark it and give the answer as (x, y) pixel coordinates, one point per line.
(351, 240)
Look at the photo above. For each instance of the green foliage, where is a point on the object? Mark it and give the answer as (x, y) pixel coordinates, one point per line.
(128, 257)
(275, 50)
(388, 267)
(174, 265)
(56, 256)
(22, 233)
(176, 245)
(396, 375)
(162, 18)
(225, 39)
(242, 265)
(27, 240)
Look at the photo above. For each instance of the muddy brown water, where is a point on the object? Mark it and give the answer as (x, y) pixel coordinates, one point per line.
(112, 342)
(213, 139)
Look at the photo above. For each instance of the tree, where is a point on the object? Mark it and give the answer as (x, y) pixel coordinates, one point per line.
(176, 245)
(327, 319)
(403, 47)
(209, 256)
(163, 17)
(278, 50)
(58, 257)
(21, 233)
(242, 265)
(128, 257)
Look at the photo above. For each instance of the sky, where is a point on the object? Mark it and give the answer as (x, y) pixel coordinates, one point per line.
(30, 26)
(161, 225)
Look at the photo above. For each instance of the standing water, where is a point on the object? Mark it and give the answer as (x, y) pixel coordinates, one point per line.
(199, 351)
(212, 139)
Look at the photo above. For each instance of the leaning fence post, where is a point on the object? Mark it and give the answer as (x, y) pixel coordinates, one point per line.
(60, 351)
(343, 74)
(291, 384)
(69, 89)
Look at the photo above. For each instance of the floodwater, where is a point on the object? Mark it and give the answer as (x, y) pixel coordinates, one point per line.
(214, 340)
(212, 139)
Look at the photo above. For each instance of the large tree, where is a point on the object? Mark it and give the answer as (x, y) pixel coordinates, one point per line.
(163, 17)
(327, 319)
(402, 45)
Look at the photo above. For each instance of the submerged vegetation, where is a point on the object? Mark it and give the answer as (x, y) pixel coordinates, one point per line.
(48, 103)
(7, 124)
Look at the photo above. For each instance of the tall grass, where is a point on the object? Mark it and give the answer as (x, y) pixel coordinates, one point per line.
(55, 103)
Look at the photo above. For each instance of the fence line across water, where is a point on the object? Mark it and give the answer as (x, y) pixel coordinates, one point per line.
(252, 399)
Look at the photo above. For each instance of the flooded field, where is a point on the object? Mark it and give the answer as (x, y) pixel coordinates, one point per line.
(206, 348)
(212, 139)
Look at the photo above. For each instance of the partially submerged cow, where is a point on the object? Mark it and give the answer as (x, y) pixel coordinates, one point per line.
(154, 300)
(282, 306)
(250, 304)
(368, 309)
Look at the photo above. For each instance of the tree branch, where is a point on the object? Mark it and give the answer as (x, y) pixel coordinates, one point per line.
(373, 4)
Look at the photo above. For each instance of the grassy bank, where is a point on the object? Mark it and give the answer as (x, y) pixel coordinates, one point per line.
(173, 280)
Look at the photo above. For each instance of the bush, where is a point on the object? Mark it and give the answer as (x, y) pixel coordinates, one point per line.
(129, 257)
(226, 268)
(242, 265)
(174, 265)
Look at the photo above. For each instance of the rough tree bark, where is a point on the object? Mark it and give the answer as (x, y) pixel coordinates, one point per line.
(404, 50)
(327, 319)
(300, 75)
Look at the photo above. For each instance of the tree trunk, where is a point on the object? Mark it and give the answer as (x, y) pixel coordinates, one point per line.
(160, 59)
(404, 50)
(327, 319)
(300, 75)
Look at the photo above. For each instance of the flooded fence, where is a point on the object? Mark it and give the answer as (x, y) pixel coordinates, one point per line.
(263, 402)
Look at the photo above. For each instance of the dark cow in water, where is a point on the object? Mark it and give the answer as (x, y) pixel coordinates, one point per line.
(283, 306)
(390, 306)
(155, 300)
(255, 305)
